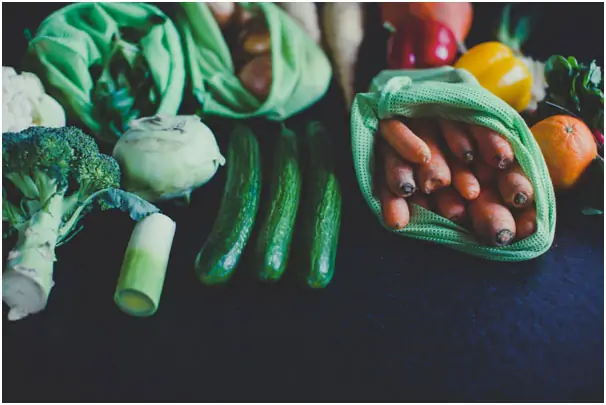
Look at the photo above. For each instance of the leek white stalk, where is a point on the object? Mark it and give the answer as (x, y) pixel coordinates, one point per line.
(144, 266)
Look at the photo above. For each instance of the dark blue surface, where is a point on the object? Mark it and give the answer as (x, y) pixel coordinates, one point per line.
(402, 321)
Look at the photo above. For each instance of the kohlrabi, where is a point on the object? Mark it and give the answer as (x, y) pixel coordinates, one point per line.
(167, 157)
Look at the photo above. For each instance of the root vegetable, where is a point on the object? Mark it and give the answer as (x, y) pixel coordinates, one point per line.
(484, 173)
(450, 205)
(526, 223)
(458, 140)
(434, 174)
(515, 187)
(396, 214)
(404, 141)
(257, 43)
(421, 200)
(493, 148)
(491, 220)
(223, 12)
(305, 15)
(343, 25)
(399, 175)
(256, 76)
(463, 180)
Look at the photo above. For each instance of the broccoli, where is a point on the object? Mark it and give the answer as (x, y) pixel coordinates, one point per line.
(51, 179)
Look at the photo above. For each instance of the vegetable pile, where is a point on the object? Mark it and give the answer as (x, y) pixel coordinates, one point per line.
(464, 172)
(51, 178)
(449, 140)
(308, 193)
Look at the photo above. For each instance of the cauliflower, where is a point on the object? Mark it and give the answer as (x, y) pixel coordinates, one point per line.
(26, 104)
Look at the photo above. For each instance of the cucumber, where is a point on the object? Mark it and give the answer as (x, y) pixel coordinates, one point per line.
(221, 253)
(276, 230)
(321, 209)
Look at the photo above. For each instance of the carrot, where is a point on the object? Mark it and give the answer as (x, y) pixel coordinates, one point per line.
(343, 25)
(464, 181)
(450, 205)
(421, 200)
(395, 209)
(491, 220)
(458, 140)
(515, 187)
(526, 223)
(306, 16)
(434, 174)
(494, 149)
(484, 173)
(398, 173)
(404, 141)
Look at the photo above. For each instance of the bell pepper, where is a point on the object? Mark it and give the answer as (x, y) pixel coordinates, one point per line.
(420, 42)
(499, 70)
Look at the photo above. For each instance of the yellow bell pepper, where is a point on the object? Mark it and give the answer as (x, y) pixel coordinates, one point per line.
(500, 71)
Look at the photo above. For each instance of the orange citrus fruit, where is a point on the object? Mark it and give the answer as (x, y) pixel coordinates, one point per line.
(568, 148)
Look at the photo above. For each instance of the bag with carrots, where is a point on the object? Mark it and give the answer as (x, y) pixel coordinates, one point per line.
(441, 159)
(251, 60)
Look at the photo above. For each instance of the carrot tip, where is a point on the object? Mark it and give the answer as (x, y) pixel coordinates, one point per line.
(468, 157)
(503, 163)
(520, 199)
(504, 237)
(407, 189)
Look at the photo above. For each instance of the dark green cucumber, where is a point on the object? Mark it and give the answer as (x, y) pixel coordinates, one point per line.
(321, 209)
(276, 230)
(223, 249)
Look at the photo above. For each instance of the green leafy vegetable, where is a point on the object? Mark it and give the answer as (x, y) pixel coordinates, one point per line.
(576, 87)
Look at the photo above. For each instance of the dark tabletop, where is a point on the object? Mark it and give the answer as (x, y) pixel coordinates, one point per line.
(402, 321)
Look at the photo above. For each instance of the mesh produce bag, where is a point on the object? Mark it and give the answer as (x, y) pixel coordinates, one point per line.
(453, 94)
(301, 71)
(82, 36)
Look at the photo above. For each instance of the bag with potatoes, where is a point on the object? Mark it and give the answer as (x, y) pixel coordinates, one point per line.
(439, 158)
(251, 60)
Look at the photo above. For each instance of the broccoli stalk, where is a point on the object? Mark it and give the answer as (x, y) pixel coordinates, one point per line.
(29, 277)
(51, 178)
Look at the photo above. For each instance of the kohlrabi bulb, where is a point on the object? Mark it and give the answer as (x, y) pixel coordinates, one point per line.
(166, 157)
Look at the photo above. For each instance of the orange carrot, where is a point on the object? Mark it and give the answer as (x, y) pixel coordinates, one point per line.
(398, 173)
(493, 148)
(450, 205)
(458, 140)
(421, 200)
(404, 141)
(526, 223)
(491, 220)
(434, 174)
(395, 209)
(484, 173)
(515, 187)
(464, 181)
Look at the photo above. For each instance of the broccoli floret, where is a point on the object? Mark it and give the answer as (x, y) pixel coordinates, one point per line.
(51, 178)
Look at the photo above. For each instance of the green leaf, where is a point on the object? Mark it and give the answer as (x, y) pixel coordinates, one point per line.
(137, 207)
(591, 211)
(574, 64)
(594, 75)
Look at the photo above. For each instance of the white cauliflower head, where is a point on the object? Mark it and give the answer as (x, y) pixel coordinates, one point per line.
(25, 103)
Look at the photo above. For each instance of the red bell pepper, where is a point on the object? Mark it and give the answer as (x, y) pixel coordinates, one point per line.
(420, 42)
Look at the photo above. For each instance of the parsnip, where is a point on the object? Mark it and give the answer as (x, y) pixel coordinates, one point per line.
(305, 15)
(343, 25)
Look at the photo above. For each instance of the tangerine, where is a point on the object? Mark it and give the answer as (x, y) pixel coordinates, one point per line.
(568, 148)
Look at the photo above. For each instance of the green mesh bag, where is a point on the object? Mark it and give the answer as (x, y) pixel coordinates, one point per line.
(300, 69)
(80, 38)
(453, 94)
